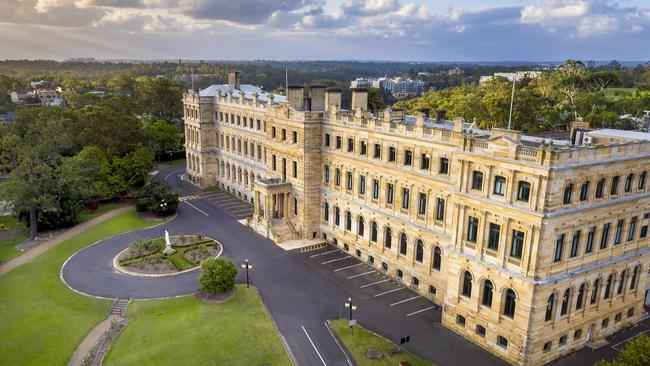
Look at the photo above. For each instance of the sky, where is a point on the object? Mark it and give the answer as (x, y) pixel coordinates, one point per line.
(401, 30)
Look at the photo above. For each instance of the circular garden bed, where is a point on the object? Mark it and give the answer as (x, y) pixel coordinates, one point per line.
(146, 257)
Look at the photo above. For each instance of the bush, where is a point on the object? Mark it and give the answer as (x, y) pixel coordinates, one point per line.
(217, 275)
(156, 198)
(141, 247)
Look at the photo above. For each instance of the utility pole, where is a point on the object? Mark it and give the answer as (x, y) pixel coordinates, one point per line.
(512, 100)
(286, 81)
(192, 76)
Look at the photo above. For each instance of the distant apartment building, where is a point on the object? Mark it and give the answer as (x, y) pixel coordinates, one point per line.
(399, 87)
(534, 247)
(511, 76)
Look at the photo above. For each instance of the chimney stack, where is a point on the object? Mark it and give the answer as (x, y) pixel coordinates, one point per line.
(295, 95)
(306, 103)
(332, 97)
(317, 95)
(233, 80)
(359, 99)
(425, 111)
(441, 115)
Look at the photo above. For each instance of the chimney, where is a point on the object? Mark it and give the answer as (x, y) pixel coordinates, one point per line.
(317, 95)
(306, 103)
(359, 99)
(458, 124)
(425, 111)
(295, 95)
(233, 80)
(441, 115)
(332, 97)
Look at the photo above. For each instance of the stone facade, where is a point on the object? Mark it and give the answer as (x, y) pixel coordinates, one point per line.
(534, 248)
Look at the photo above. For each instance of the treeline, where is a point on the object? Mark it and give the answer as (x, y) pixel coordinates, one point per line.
(570, 92)
(60, 159)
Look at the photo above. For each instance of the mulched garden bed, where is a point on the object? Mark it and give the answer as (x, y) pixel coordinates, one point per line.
(152, 266)
(215, 299)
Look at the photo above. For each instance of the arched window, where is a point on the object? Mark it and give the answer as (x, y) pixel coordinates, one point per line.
(488, 288)
(326, 212)
(437, 258)
(337, 216)
(388, 237)
(373, 232)
(635, 277)
(581, 296)
(510, 303)
(594, 292)
(361, 226)
(565, 302)
(403, 244)
(608, 285)
(467, 284)
(621, 284)
(549, 308)
(348, 221)
(419, 251)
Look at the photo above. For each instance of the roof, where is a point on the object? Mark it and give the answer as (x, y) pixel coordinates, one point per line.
(247, 89)
(632, 135)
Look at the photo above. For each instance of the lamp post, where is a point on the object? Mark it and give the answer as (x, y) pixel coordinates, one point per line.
(247, 266)
(163, 208)
(351, 306)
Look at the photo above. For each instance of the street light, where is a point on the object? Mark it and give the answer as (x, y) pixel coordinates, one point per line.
(351, 306)
(163, 208)
(247, 266)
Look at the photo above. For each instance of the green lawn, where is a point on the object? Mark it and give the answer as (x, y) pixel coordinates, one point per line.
(363, 340)
(187, 331)
(8, 249)
(41, 320)
(86, 214)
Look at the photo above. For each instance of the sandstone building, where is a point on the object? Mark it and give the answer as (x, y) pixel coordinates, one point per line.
(533, 247)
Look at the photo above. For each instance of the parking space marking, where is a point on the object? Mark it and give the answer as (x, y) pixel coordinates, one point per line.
(421, 310)
(313, 345)
(319, 254)
(627, 340)
(403, 301)
(354, 265)
(375, 283)
(231, 204)
(337, 259)
(362, 274)
(390, 291)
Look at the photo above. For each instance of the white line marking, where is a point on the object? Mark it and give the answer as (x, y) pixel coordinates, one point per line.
(419, 311)
(312, 344)
(375, 283)
(196, 208)
(319, 254)
(403, 301)
(390, 291)
(175, 171)
(229, 199)
(619, 343)
(354, 265)
(362, 274)
(240, 210)
(338, 344)
(337, 259)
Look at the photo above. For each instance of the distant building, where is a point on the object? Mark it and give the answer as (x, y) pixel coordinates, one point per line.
(43, 91)
(399, 87)
(519, 75)
(455, 71)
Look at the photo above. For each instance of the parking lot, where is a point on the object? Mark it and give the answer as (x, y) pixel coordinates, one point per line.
(371, 284)
(225, 201)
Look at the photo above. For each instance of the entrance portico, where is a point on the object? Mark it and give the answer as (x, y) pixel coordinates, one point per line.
(271, 199)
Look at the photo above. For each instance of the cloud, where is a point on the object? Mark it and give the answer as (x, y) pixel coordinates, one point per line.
(241, 11)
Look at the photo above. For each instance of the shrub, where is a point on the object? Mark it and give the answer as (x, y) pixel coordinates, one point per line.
(217, 275)
(152, 197)
(140, 247)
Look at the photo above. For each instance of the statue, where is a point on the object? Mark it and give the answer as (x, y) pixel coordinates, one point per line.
(168, 245)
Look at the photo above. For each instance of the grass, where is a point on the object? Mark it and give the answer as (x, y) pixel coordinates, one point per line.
(363, 340)
(86, 215)
(187, 331)
(41, 320)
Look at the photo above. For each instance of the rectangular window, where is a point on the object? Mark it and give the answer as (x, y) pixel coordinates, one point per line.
(584, 191)
(350, 145)
(568, 191)
(259, 125)
(604, 236)
(477, 180)
(327, 174)
(362, 147)
(424, 162)
(641, 184)
(472, 229)
(392, 154)
(517, 246)
(614, 188)
(362, 184)
(575, 242)
(389, 193)
(348, 179)
(274, 162)
(338, 142)
(559, 246)
(444, 166)
(589, 245)
(406, 198)
(422, 203)
(631, 232)
(523, 191)
(294, 136)
(502, 342)
(440, 209)
(375, 189)
(327, 140)
(619, 232)
(499, 185)
(408, 157)
(600, 188)
(377, 152)
(493, 239)
(294, 166)
(644, 231)
(338, 177)
(628, 182)
(284, 134)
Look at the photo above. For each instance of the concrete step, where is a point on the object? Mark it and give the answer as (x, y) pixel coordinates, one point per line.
(119, 307)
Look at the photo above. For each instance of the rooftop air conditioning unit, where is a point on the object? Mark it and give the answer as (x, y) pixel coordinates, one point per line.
(587, 140)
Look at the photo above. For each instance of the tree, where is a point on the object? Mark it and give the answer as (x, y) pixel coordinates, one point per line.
(636, 353)
(156, 197)
(375, 100)
(217, 275)
(164, 137)
(159, 98)
(130, 171)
